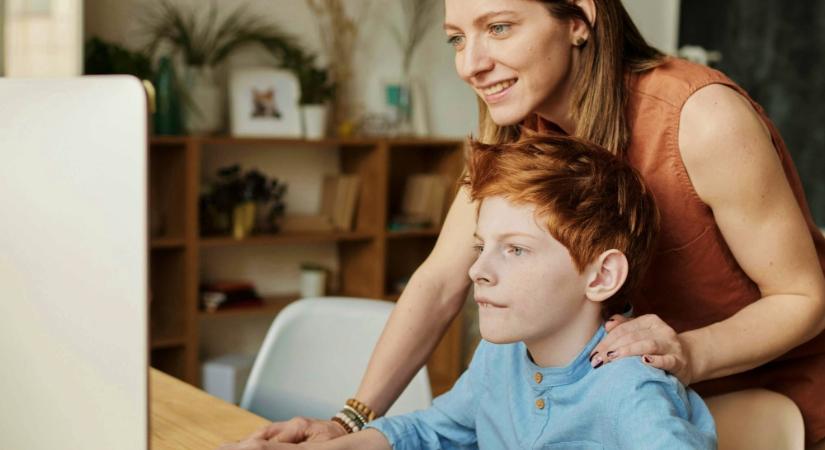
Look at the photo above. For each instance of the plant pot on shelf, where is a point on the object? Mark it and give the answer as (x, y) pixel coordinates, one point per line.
(205, 102)
(243, 220)
(313, 282)
(315, 121)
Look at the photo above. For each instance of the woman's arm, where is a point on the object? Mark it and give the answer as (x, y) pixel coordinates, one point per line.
(735, 169)
(432, 299)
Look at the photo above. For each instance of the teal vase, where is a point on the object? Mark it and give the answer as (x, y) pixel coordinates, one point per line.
(168, 119)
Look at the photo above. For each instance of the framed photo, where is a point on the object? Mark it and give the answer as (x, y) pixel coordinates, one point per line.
(264, 102)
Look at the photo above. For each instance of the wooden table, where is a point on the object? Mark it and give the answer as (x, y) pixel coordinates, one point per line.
(182, 417)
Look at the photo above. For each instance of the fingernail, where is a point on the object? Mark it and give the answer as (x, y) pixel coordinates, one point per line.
(611, 354)
(611, 319)
(596, 362)
(647, 359)
(595, 352)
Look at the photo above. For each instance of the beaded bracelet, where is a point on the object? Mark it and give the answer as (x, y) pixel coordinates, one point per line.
(361, 408)
(351, 425)
(340, 421)
(355, 416)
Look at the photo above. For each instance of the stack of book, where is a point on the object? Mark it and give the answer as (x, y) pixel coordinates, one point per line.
(339, 203)
(423, 203)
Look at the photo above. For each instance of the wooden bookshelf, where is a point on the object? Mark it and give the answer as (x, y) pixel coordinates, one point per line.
(371, 259)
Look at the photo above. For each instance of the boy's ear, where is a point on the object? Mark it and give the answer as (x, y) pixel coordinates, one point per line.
(606, 275)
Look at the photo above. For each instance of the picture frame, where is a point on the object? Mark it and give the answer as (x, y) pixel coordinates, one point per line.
(264, 103)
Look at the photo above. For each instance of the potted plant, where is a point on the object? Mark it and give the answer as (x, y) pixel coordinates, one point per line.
(203, 41)
(316, 92)
(241, 202)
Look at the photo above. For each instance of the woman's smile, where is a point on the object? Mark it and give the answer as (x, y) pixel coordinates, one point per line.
(495, 92)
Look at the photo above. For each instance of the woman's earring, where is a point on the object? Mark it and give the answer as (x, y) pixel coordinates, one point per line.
(580, 41)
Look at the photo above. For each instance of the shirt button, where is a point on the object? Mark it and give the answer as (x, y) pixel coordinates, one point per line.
(538, 377)
(540, 403)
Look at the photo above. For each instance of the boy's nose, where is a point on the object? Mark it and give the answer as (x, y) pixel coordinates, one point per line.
(480, 273)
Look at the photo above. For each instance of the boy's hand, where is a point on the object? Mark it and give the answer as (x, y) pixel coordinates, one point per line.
(647, 336)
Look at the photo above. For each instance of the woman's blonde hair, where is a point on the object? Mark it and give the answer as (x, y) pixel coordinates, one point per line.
(614, 50)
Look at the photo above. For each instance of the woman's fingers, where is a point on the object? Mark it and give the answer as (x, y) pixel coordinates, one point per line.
(633, 347)
(293, 431)
(268, 431)
(614, 321)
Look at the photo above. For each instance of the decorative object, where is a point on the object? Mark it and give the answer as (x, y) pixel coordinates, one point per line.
(241, 203)
(314, 120)
(313, 281)
(406, 96)
(339, 35)
(264, 102)
(203, 41)
(168, 119)
(317, 90)
(205, 110)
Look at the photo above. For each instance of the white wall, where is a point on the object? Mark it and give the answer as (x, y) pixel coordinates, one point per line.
(658, 20)
(452, 111)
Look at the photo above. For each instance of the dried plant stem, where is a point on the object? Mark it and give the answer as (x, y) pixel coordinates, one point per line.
(339, 34)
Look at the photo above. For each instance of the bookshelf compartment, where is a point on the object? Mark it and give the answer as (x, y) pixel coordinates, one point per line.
(170, 360)
(168, 295)
(407, 165)
(167, 169)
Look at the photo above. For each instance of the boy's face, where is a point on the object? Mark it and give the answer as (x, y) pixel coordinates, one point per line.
(526, 283)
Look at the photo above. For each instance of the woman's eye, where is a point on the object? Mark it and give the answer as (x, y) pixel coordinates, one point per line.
(497, 29)
(456, 40)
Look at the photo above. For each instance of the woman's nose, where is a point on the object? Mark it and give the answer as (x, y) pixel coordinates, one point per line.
(474, 60)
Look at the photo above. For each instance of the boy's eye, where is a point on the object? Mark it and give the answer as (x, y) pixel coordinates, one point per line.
(518, 251)
(497, 29)
(478, 248)
(456, 40)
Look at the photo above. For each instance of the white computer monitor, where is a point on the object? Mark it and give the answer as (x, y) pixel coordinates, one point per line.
(73, 264)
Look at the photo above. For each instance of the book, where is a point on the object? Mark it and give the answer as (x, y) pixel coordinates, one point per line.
(339, 200)
(424, 199)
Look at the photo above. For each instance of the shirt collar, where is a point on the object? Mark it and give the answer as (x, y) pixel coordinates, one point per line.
(546, 377)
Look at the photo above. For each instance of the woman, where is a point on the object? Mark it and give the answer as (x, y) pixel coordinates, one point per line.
(736, 296)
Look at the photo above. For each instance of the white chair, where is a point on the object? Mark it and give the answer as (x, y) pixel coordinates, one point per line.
(313, 358)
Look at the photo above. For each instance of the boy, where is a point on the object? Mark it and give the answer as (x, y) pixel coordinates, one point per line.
(564, 233)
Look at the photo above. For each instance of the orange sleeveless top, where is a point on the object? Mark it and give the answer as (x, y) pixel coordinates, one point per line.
(694, 280)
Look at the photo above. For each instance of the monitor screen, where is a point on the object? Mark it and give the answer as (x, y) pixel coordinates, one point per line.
(73, 264)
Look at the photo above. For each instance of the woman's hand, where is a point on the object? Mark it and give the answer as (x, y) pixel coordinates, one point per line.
(300, 429)
(260, 444)
(649, 337)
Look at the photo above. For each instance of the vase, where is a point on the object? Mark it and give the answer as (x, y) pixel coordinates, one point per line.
(398, 97)
(313, 283)
(167, 112)
(204, 106)
(243, 220)
(315, 121)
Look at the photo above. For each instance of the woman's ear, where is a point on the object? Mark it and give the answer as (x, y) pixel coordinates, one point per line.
(589, 8)
(606, 275)
(580, 32)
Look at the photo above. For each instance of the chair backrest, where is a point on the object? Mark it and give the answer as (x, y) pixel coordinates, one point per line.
(313, 358)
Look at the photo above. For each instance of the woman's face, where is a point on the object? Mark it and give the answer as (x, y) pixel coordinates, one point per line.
(514, 54)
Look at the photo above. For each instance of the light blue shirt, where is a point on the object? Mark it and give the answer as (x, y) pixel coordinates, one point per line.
(505, 401)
